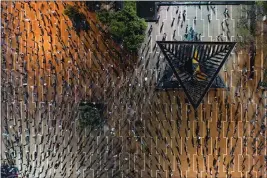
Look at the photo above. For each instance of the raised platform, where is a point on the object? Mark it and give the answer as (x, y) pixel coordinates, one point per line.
(195, 65)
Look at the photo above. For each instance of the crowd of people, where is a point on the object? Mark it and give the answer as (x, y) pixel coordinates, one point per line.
(228, 130)
(45, 73)
(47, 69)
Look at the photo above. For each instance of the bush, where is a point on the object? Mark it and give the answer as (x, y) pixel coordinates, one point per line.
(134, 42)
(117, 29)
(104, 16)
(125, 26)
(89, 116)
(131, 4)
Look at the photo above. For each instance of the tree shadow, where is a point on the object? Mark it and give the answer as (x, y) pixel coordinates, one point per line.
(77, 18)
(80, 24)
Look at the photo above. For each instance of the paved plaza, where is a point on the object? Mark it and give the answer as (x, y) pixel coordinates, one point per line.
(48, 68)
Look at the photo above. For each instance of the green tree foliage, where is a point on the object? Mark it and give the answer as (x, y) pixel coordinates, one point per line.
(245, 28)
(130, 4)
(104, 16)
(133, 42)
(125, 26)
(117, 29)
(245, 34)
(263, 4)
(89, 116)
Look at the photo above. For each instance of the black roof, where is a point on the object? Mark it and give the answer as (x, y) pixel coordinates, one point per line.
(146, 10)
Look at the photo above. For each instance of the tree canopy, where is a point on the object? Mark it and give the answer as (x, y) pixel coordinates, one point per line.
(263, 4)
(125, 26)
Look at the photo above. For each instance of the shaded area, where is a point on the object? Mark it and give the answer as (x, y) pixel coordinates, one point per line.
(78, 19)
(168, 81)
(147, 10)
(91, 115)
(9, 171)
